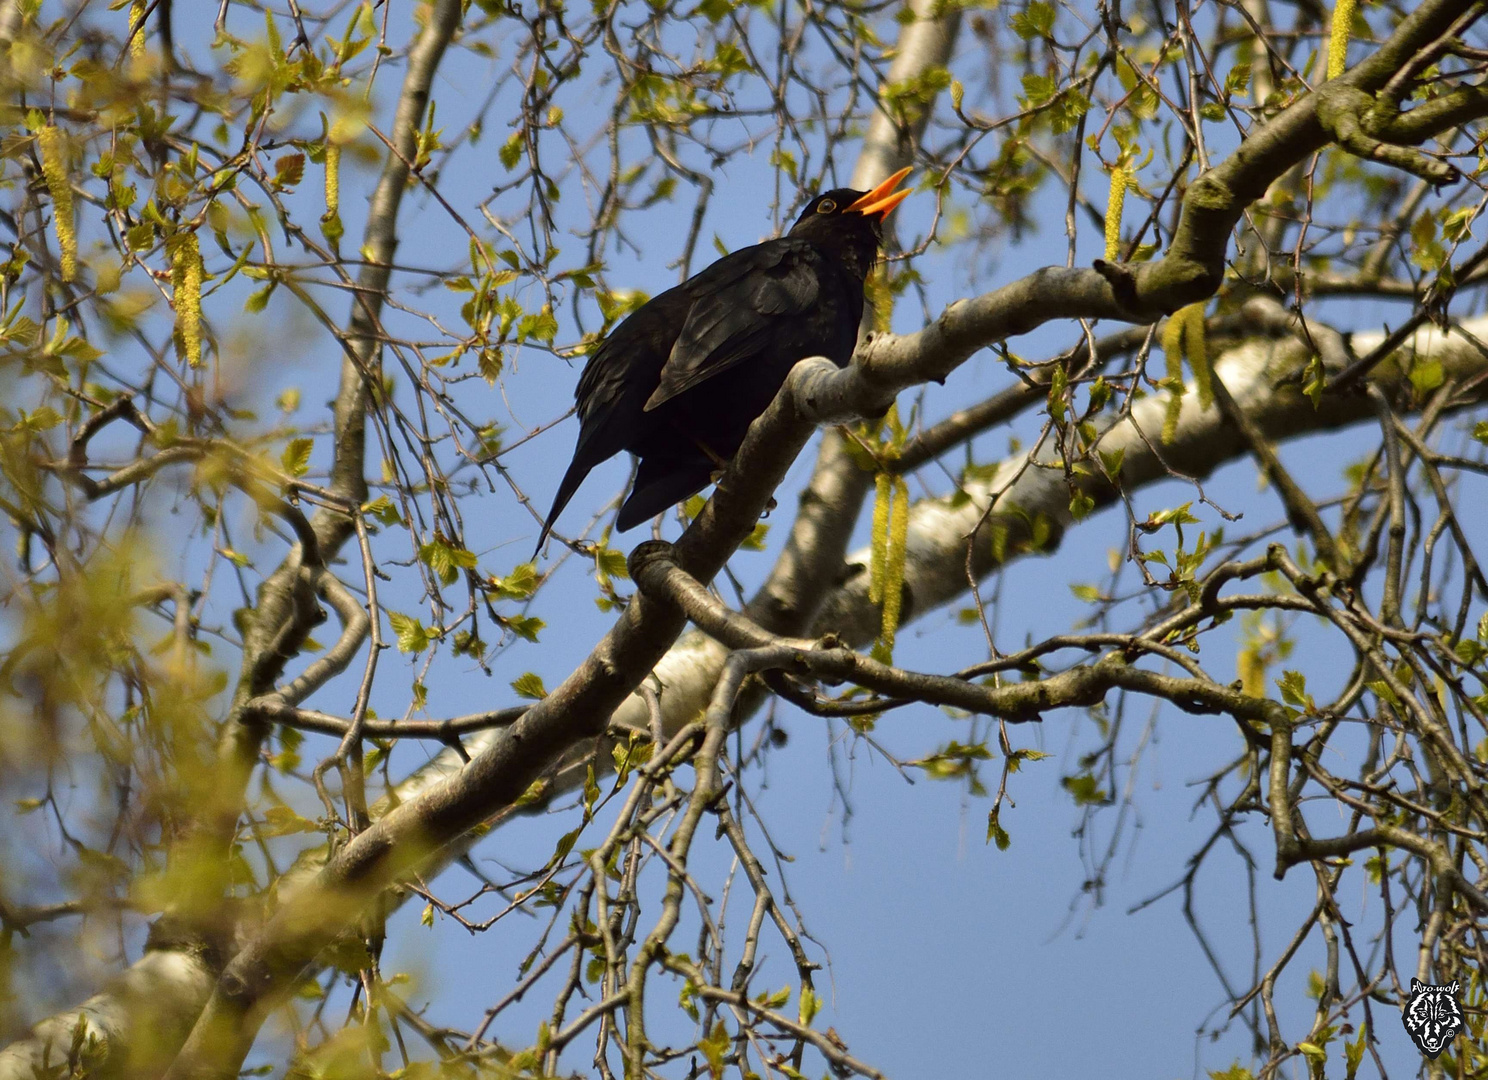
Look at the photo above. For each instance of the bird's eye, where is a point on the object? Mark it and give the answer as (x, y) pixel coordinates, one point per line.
(826, 206)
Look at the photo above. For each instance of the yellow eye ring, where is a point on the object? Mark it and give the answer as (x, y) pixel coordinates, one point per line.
(826, 206)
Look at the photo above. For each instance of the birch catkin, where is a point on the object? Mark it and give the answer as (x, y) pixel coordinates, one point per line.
(1172, 343)
(186, 277)
(1338, 40)
(1120, 179)
(53, 146)
(893, 581)
(880, 538)
(1196, 349)
(332, 179)
(137, 29)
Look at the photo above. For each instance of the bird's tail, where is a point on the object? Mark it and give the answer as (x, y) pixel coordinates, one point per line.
(660, 483)
(577, 470)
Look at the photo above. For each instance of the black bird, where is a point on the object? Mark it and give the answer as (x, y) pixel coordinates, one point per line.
(680, 380)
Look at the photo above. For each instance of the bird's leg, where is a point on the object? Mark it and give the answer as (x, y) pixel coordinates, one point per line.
(719, 463)
(722, 465)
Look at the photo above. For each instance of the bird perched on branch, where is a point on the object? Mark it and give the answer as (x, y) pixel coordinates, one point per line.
(680, 380)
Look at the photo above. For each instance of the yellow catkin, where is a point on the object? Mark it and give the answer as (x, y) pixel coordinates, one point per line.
(1338, 40)
(1196, 348)
(1172, 343)
(1120, 179)
(880, 538)
(53, 145)
(893, 582)
(332, 179)
(137, 29)
(1252, 671)
(882, 299)
(186, 276)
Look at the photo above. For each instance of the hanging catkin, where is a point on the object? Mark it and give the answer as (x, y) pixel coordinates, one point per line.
(186, 277)
(53, 146)
(1196, 349)
(1252, 671)
(1172, 343)
(1120, 178)
(1338, 40)
(880, 539)
(137, 29)
(332, 179)
(893, 583)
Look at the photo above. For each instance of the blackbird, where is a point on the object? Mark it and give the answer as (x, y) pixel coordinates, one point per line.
(680, 380)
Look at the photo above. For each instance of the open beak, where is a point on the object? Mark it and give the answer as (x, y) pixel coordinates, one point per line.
(883, 198)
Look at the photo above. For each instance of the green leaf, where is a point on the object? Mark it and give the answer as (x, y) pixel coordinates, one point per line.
(810, 1004)
(1086, 790)
(1426, 376)
(996, 834)
(511, 151)
(715, 10)
(565, 845)
(518, 585)
(634, 752)
(715, 1049)
(296, 457)
(445, 559)
(259, 300)
(1314, 380)
(1018, 757)
(591, 790)
(282, 821)
(1178, 515)
(611, 562)
(530, 685)
(543, 326)
(1353, 1052)
(1293, 686)
(776, 999)
(412, 637)
(755, 541)
(524, 626)
(1313, 1051)
(1037, 20)
(383, 510)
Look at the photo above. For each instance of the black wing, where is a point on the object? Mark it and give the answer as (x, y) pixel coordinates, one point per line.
(612, 390)
(736, 303)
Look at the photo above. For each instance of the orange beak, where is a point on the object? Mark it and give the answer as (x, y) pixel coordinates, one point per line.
(882, 199)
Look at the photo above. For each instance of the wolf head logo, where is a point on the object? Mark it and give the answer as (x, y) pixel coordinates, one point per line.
(1432, 1016)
